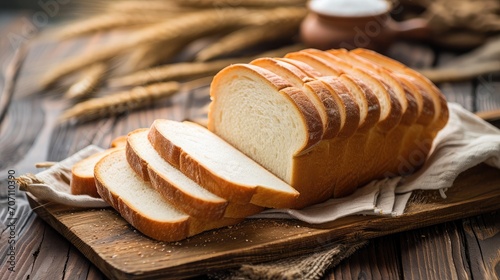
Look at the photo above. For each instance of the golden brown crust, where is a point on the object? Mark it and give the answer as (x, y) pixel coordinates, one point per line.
(331, 105)
(139, 165)
(286, 70)
(311, 72)
(83, 185)
(373, 106)
(426, 107)
(82, 175)
(119, 141)
(411, 110)
(319, 64)
(190, 205)
(351, 107)
(385, 93)
(441, 113)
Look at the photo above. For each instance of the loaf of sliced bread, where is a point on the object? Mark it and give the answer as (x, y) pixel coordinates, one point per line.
(176, 187)
(385, 111)
(139, 203)
(217, 166)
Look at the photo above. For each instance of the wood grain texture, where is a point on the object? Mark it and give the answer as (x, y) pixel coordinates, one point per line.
(379, 260)
(114, 246)
(482, 235)
(434, 253)
(469, 240)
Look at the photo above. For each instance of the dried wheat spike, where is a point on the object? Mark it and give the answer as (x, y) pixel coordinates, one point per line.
(172, 72)
(241, 3)
(119, 102)
(190, 25)
(247, 37)
(152, 54)
(91, 78)
(132, 7)
(186, 70)
(101, 23)
(276, 16)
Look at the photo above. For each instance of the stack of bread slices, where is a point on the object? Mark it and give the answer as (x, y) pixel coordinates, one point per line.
(282, 133)
(177, 179)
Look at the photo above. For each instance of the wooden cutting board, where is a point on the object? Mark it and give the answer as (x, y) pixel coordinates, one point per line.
(120, 251)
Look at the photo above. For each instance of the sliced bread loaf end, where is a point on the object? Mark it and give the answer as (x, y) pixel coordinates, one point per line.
(82, 174)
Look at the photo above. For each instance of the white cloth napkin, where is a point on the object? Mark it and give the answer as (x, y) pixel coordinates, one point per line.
(55, 187)
(465, 142)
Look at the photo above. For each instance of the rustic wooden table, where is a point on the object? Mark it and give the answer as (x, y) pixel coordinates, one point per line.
(462, 249)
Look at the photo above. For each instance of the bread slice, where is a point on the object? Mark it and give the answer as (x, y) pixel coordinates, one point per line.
(140, 205)
(175, 187)
(217, 166)
(119, 141)
(82, 174)
(317, 93)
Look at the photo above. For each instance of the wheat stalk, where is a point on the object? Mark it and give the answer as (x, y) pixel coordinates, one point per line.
(119, 102)
(190, 25)
(151, 54)
(132, 7)
(185, 70)
(248, 37)
(241, 3)
(276, 15)
(102, 23)
(91, 78)
(173, 72)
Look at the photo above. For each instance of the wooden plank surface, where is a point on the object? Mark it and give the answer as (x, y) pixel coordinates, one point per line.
(38, 259)
(114, 246)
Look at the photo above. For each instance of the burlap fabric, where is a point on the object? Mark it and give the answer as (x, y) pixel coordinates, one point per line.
(310, 266)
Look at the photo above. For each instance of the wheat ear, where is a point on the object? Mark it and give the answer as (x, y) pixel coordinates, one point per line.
(132, 7)
(276, 16)
(247, 37)
(172, 72)
(152, 54)
(91, 78)
(187, 26)
(119, 102)
(186, 70)
(241, 3)
(101, 23)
